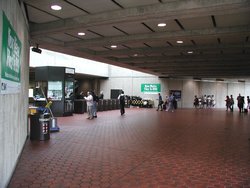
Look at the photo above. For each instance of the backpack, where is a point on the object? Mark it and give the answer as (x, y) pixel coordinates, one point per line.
(95, 98)
(122, 99)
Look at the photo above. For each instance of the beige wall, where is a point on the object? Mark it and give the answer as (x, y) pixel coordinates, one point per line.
(131, 81)
(14, 107)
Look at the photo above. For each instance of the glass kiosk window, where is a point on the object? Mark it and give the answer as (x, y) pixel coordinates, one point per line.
(69, 96)
(69, 89)
(55, 90)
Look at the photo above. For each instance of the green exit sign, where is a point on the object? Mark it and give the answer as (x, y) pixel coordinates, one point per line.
(151, 88)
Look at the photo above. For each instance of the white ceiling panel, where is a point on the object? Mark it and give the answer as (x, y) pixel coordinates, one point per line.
(135, 3)
(228, 39)
(133, 28)
(233, 19)
(37, 16)
(172, 53)
(186, 41)
(157, 43)
(170, 25)
(207, 40)
(67, 10)
(106, 31)
(168, 1)
(232, 51)
(119, 47)
(88, 35)
(63, 37)
(136, 45)
(232, 39)
(95, 6)
(98, 48)
(197, 23)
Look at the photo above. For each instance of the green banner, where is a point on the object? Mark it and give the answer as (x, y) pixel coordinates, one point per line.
(11, 58)
(151, 88)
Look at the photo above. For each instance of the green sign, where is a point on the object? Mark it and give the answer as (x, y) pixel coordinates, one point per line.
(10, 60)
(151, 88)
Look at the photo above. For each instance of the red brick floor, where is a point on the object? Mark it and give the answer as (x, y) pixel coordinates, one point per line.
(144, 148)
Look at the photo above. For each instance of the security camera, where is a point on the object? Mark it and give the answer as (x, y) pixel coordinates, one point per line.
(36, 49)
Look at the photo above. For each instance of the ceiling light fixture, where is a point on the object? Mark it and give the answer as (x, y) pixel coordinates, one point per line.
(81, 34)
(113, 46)
(161, 24)
(190, 52)
(56, 7)
(179, 41)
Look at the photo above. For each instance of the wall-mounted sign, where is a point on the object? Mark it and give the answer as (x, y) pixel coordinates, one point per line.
(69, 70)
(10, 59)
(151, 88)
(177, 94)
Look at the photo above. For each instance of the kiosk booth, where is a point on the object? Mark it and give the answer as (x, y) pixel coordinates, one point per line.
(58, 86)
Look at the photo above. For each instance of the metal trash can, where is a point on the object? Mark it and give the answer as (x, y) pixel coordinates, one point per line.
(40, 126)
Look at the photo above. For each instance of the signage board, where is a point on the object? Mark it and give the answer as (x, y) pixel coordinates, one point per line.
(150, 88)
(10, 59)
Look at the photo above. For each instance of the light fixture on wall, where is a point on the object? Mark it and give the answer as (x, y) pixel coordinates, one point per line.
(36, 49)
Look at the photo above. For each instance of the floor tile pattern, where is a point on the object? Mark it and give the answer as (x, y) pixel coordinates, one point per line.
(144, 148)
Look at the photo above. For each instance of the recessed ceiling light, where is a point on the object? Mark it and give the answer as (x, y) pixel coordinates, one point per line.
(190, 52)
(135, 55)
(161, 24)
(113, 46)
(81, 34)
(56, 7)
(179, 41)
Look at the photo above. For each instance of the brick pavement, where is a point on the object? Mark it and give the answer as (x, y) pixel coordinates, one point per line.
(145, 148)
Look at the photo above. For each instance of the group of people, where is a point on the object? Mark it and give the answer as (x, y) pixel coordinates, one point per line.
(169, 104)
(92, 101)
(240, 103)
(205, 101)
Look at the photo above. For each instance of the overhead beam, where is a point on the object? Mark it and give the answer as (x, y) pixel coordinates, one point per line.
(118, 40)
(185, 58)
(167, 49)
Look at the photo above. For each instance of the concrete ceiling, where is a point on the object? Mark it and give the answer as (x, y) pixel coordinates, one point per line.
(215, 34)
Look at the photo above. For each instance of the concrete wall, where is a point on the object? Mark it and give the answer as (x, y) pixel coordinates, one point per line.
(130, 81)
(14, 107)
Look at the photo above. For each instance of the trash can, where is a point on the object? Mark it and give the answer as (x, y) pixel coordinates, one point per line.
(40, 126)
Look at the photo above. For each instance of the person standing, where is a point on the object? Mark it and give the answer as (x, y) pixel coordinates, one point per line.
(196, 101)
(95, 103)
(240, 100)
(89, 101)
(160, 102)
(231, 103)
(228, 103)
(171, 102)
(248, 103)
(121, 98)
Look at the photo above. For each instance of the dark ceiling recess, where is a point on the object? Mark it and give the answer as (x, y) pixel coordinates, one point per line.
(148, 27)
(120, 30)
(214, 22)
(119, 5)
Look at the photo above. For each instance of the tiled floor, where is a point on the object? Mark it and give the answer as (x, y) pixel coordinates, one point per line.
(145, 148)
